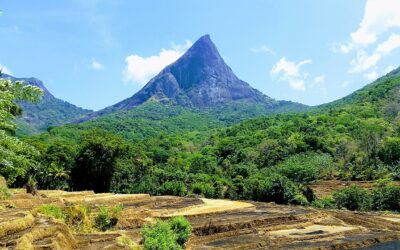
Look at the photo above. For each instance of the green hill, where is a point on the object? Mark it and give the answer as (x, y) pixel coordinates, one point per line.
(50, 111)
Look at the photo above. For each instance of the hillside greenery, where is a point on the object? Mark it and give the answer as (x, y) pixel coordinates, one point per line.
(37, 116)
(174, 151)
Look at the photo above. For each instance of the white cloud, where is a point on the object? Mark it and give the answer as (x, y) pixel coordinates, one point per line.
(379, 17)
(364, 62)
(96, 65)
(263, 49)
(345, 84)
(373, 75)
(5, 70)
(290, 71)
(390, 44)
(141, 69)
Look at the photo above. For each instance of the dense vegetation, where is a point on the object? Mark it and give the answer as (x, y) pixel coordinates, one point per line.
(273, 158)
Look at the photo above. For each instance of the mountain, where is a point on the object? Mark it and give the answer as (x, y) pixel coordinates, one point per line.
(199, 79)
(50, 111)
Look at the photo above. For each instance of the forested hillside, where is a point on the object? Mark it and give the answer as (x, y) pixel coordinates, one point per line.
(272, 158)
(49, 111)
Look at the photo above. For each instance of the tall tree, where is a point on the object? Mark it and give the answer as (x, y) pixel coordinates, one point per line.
(16, 157)
(96, 160)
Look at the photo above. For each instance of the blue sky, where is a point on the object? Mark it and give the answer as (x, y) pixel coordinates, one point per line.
(94, 53)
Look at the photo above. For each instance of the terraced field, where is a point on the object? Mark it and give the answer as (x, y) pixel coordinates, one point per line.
(217, 224)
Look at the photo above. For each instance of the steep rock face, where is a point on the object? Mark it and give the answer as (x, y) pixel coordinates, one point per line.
(199, 79)
(50, 111)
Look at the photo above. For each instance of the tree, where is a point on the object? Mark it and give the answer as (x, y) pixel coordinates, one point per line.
(371, 132)
(96, 160)
(16, 157)
(390, 152)
(10, 93)
(273, 187)
(55, 168)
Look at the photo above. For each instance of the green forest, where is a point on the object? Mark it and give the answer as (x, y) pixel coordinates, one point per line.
(165, 149)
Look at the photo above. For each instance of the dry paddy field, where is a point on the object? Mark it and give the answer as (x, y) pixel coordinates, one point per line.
(217, 224)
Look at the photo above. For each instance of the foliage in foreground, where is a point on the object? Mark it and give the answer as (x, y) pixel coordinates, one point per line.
(16, 157)
(165, 235)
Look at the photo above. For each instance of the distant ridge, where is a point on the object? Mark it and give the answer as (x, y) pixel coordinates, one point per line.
(51, 111)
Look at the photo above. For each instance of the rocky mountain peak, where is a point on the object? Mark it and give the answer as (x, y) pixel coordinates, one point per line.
(200, 78)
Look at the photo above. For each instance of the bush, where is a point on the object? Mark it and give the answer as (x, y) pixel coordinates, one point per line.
(166, 235)
(107, 218)
(385, 197)
(52, 211)
(326, 202)
(4, 193)
(182, 229)
(204, 189)
(352, 198)
(176, 188)
(305, 168)
(274, 187)
(159, 237)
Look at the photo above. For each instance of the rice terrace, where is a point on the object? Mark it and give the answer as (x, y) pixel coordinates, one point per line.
(169, 125)
(216, 224)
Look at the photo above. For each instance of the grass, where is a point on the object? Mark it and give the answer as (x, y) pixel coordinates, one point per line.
(63, 237)
(127, 243)
(52, 211)
(15, 225)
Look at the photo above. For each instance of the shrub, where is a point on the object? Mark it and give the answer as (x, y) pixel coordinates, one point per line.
(352, 198)
(305, 168)
(166, 235)
(4, 193)
(273, 187)
(52, 211)
(325, 202)
(107, 218)
(159, 237)
(182, 229)
(385, 197)
(176, 188)
(204, 189)
(3, 182)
